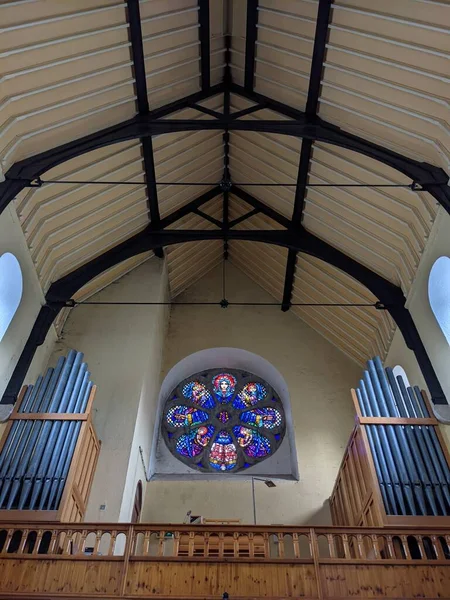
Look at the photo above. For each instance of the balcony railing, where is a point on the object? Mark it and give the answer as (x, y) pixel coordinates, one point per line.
(195, 561)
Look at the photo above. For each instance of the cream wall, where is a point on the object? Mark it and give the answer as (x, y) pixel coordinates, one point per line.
(11, 346)
(123, 348)
(319, 378)
(432, 337)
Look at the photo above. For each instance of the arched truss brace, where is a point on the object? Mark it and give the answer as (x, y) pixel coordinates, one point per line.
(390, 296)
(433, 179)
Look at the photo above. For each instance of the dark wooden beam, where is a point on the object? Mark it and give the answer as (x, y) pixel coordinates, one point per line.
(250, 44)
(204, 36)
(22, 173)
(140, 77)
(312, 103)
(137, 53)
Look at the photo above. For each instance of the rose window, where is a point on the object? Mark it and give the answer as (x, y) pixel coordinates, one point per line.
(223, 420)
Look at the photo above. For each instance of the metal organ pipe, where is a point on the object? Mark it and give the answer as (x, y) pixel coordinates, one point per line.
(55, 440)
(411, 467)
(417, 446)
(72, 436)
(396, 475)
(387, 491)
(37, 454)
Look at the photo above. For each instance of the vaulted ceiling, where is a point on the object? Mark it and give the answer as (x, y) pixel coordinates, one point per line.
(74, 68)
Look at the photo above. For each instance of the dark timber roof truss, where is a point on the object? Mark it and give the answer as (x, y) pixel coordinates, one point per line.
(291, 234)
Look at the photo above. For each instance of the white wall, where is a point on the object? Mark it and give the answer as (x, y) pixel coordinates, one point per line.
(12, 344)
(319, 378)
(123, 347)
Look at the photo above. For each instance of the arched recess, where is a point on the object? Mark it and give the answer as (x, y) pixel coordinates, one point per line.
(439, 294)
(232, 358)
(11, 287)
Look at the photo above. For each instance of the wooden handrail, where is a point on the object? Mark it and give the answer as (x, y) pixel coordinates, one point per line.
(172, 560)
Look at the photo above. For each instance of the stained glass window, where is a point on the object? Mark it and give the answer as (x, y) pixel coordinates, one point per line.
(223, 421)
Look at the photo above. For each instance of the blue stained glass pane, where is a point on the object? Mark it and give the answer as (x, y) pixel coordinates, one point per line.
(191, 444)
(266, 417)
(186, 416)
(223, 455)
(223, 416)
(254, 444)
(251, 393)
(224, 385)
(197, 393)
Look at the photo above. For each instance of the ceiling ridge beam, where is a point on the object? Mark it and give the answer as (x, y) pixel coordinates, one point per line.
(312, 103)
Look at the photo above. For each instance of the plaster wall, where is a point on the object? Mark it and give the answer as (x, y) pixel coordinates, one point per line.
(433, 339)
(12, 344)
(318, 377)
(123, 348)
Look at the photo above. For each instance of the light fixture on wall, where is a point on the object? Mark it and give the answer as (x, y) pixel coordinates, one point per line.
(269, 483)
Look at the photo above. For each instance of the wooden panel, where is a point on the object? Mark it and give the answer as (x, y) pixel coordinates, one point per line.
(377, 581)
(51, 577)
(212, 579)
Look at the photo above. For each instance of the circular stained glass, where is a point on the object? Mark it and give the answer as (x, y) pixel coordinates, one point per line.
(223, 420)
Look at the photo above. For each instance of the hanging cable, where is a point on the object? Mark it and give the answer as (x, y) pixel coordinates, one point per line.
(38, 182)
(377, 305)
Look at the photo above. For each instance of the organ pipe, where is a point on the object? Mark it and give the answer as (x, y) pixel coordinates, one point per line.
(411, 467)
(36, 456)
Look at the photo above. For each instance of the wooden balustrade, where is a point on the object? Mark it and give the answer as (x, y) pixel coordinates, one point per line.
(198, 561)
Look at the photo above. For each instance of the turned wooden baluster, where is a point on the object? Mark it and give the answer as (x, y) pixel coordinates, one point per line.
(296, 545)
(405, 546)
(161, 542)
(67, 541)
(437, 547)
(390, 546)
(375, 546)
(8, 541)
(419, 540)
(23, 541)
(83, 537)
(98, 538)
(54, 541)
(280, 537)
(236, 544)
(344, 538)
(176, 543)
(112, 543)
(221, 545)
(331, 548)
(38, 541)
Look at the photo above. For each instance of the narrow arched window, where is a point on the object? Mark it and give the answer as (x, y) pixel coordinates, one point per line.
(439, 293)
(11, 285)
